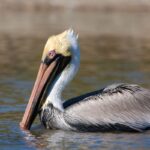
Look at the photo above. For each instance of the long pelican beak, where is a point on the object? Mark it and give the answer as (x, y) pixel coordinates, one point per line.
(49, 69)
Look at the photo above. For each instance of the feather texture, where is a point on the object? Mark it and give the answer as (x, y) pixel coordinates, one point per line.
(122, 107)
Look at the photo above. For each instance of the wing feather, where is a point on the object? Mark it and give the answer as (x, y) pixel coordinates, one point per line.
(117, 105)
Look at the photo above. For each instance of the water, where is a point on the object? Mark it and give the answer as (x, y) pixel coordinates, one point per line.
(114, 48)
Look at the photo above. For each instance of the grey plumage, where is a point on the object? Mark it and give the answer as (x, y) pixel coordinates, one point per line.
(121, 107)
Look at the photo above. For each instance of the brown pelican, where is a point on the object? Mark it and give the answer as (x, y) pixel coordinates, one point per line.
(121, 107)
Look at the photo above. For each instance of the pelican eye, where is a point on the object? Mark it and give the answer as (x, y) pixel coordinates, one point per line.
(50, 57)
(51, 53)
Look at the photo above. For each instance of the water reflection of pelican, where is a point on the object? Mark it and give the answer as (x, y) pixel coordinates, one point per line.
(59, 139)
(122, 107)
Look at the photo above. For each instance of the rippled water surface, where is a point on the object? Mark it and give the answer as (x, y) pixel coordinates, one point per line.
(114, 48)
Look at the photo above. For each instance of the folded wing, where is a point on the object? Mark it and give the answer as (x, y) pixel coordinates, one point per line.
(116, 107)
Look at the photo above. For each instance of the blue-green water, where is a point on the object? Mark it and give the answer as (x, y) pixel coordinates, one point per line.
(106, 57)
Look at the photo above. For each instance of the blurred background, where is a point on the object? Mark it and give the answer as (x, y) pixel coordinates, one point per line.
(114, 39)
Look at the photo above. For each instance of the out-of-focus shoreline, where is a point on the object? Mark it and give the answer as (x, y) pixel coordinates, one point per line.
(78, 5)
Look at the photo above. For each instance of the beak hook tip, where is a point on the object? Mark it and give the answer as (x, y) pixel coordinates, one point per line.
(22, 126)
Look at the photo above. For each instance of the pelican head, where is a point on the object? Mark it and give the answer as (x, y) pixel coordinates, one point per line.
(57, 56)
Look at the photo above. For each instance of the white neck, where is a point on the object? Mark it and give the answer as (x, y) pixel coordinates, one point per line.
(64, 78)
